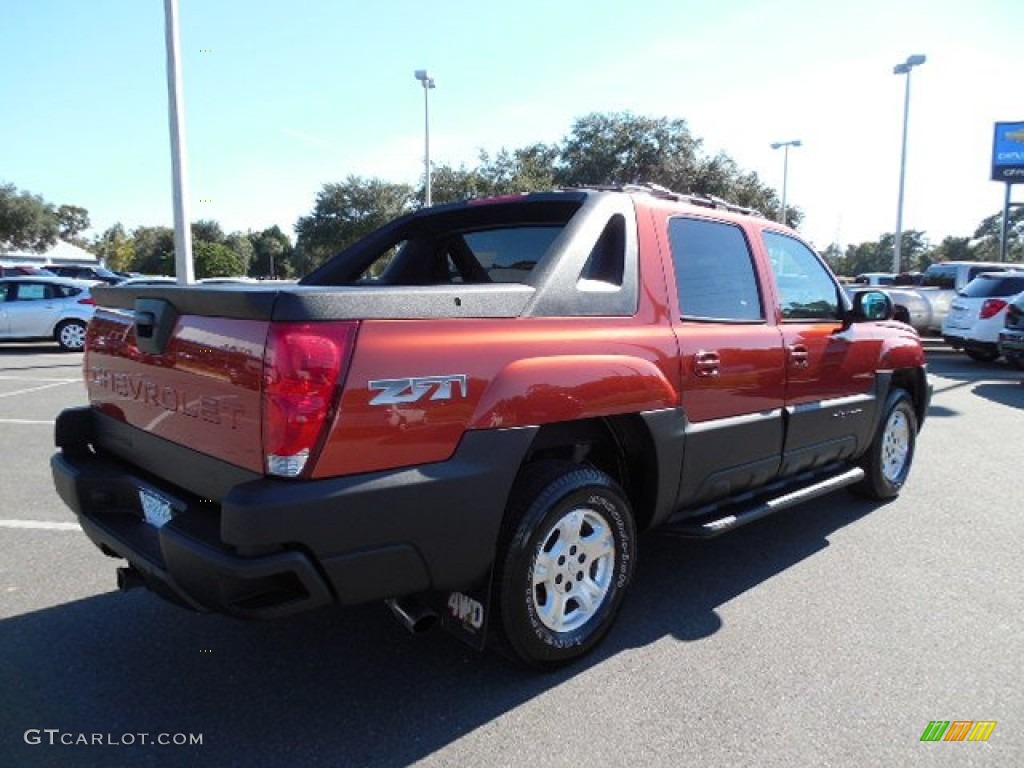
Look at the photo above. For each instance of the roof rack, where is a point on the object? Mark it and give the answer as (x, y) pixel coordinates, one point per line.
(663, 193)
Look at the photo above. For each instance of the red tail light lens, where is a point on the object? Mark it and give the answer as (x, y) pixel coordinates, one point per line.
(88, 300)
(991, 308)
(302, 369)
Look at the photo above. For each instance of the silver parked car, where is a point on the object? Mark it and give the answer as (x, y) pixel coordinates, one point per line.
(40, 307)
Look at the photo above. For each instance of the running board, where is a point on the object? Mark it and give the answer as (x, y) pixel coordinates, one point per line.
(715, 523)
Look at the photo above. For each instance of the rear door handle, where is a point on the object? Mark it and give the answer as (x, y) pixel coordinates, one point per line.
(798, 355)
(706, 363)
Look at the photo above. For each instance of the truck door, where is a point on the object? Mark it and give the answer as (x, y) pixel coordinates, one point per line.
(830, 370)
(732, 361)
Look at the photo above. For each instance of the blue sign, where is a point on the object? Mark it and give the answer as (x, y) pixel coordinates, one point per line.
(1008, 153)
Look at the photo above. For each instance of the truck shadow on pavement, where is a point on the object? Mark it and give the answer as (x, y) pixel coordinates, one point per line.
(344, 687)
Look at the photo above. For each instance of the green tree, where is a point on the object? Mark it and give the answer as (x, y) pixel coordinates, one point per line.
(623, 148)
(208, 231)
(241, 245)
(154, 250)
(216, 260)
(344, 213)
(989, 233)
(27, 222)
(72, 221)
(115, 248)
(951, 249)
(272, 254)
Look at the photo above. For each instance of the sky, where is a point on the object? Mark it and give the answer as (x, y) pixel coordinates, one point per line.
(284, 97)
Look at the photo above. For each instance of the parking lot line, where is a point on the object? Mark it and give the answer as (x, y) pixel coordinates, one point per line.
(36, 389)
(63, 380)
(40, 525)
(49, 422)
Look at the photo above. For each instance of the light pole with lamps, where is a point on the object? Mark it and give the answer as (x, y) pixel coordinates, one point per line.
(785, 145)
(428, 82)
(903, 69)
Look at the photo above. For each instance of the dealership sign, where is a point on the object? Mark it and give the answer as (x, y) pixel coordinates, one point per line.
(1008, 153)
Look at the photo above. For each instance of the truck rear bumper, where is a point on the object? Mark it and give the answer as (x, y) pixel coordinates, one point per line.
(270, 548)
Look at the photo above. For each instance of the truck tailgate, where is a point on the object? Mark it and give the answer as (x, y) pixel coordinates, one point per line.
(200, 389)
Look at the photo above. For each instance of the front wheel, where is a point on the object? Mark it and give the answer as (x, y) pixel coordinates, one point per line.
(71, 335)
(887, 462)
(565, 558)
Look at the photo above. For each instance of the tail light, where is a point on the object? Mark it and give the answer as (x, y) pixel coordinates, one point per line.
(88, 300)
(991, 308)
(304, 366)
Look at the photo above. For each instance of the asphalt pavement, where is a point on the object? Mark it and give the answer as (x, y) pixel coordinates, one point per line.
(831, 634)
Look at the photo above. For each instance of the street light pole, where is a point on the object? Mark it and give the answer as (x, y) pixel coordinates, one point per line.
(785, 145)
(184, 268)
(427, 82)
(903, 69)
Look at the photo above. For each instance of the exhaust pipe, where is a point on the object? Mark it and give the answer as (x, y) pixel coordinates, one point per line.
(412, 614)
(129, 578)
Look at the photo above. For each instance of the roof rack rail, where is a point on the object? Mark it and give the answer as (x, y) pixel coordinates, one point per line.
(664, 193)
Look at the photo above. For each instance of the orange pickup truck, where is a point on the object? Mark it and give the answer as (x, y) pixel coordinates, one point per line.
(472, 412)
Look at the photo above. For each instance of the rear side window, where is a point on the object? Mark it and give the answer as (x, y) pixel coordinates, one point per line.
(714, 271)
(991, 285)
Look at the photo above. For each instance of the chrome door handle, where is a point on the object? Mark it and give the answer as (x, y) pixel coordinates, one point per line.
(706, 363)
(798, 355)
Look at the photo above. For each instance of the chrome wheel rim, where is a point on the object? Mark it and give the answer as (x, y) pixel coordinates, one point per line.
(72, 336)
(573, 569)
(895, 446)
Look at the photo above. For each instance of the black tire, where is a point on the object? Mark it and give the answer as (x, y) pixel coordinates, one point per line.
(550, 620)
(982, 355)
(887, 462)
(1015, 360)
(70, 334)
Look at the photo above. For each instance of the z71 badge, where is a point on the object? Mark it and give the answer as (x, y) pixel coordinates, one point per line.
(399, 391)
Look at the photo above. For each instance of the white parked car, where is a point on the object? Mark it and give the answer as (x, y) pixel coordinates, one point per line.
(40, 307)
(978, 313)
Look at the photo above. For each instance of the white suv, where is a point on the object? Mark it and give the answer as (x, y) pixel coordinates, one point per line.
(978, 312)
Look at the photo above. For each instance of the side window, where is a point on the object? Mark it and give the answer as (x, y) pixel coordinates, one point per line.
(31, 291)
(806, 290)
(607, 260)
(5, 291)
(714, 271)
(379, 266)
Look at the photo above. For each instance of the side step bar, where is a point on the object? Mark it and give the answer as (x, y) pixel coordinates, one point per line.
(715, 523)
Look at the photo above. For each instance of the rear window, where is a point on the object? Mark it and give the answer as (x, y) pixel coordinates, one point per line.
(939, 277)
(987, 286)
(476, 243)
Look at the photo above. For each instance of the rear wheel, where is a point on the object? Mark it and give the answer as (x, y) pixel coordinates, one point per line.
(982, 355)
(71, 335)
(565, 558)
(887, 462)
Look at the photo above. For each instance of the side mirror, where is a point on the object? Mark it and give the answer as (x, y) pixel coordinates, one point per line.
(870, 306)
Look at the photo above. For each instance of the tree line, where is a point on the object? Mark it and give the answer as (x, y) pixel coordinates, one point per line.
(599, 149)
